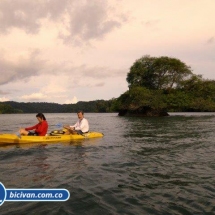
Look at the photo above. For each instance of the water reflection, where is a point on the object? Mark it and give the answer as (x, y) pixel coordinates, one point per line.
(141, 166)
(41, 168)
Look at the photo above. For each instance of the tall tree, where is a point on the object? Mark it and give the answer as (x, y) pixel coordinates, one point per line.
(158, 73)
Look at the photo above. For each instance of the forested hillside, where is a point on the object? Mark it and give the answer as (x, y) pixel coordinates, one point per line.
(98, 106)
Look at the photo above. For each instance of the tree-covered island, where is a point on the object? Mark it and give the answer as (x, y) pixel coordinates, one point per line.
(157, 85)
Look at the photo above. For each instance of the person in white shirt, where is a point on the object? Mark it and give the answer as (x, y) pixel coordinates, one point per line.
(80, 127)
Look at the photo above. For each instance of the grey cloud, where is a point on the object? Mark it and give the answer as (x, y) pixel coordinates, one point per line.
(24, 69)
(91, 20)
(4, 92)
(84, 20)
(210, 40)
(100, 84)
(150, 23)
(33, 65)
(86, 76)
(89, 85)
(26, 15)
(98, 72)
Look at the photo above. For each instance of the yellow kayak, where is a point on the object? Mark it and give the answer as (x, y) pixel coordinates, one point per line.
(14, 139)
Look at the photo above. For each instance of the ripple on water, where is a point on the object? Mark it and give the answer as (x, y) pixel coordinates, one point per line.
(141, 166)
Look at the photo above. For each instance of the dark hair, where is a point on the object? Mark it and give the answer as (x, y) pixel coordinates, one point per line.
(81, 111)
(41, 116)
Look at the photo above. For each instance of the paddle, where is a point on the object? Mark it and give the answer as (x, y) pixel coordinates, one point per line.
(59, 125)
(64, 128)
(18, 134)
(60, 130)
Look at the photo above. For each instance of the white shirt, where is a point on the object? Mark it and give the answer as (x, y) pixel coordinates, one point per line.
(82, 125)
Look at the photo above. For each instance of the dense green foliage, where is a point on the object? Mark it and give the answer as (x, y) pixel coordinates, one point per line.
(6, 108)
(157, 73)
(166, 84)
(97, 106)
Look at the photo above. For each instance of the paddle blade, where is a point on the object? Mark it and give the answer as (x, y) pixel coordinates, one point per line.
(18, 134)
(59, 125)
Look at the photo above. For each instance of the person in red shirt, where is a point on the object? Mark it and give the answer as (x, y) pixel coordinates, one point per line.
(39, 129)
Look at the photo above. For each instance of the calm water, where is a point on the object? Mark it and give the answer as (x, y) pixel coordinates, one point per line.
(141, 166)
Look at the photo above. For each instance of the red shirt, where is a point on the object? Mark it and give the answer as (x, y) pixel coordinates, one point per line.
(41, 128)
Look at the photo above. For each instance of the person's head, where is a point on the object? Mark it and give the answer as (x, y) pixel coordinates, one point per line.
(80, 114)
(40, 117)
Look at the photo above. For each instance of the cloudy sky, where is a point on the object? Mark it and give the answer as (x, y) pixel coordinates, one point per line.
(65, 51)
